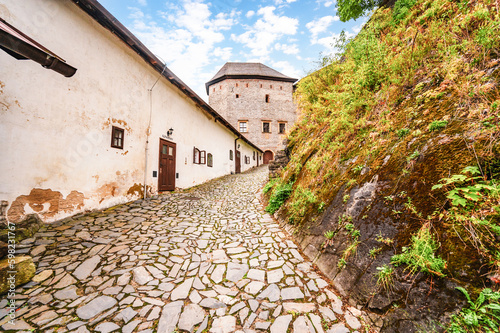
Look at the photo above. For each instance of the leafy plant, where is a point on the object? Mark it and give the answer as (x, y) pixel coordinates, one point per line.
(278, 197)
(437, 125)
(482, 315)
(420, 256)
(376, 250)
(270, 184)
(403, 132)
(342, 263)
(401, 10)
(384, 276)
(345, 198)
(461, 195)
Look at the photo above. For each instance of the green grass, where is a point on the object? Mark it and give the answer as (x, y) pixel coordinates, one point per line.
(278, 197)
(420, 256)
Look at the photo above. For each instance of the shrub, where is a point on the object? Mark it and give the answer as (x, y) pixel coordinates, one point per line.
(437, 125)
(278, 197)
(420, 256)
(384, 276)
(483, 315)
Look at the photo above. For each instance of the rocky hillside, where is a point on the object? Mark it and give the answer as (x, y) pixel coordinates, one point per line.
(393, 179)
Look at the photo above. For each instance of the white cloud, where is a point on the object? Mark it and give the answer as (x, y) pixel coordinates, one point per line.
(286, 68)
(187, 38)
(142, 2)
(320, 25)
(279, 2)
(287, 48)
(326, 3)
(250, 13)
(268, 29)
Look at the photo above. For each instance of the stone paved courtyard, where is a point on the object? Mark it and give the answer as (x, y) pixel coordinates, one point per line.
(205, 260)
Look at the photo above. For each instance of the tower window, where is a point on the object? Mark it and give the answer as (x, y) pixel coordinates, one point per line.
(266, 127)
(267, 98)
(271, 86)
(261, 85)
(237, 96)
(236, 84)
(243, 126)
(281, 87)
(246, 85)
(282, 128)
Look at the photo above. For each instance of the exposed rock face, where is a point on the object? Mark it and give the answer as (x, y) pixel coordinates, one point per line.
(280, 161)
(24, 271)
(413, 300)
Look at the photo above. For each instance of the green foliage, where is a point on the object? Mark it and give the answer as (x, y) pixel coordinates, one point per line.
(270, 184)
(401, 10)
(473, 212)
(279, 196)
(437, 125)
(375, 251)
(482, 315)
(420, 256)
(342, 263)
(384, 276)
(329, 234)
(302, 200)
(353, 9)
(463, 189)
(345, 198)
(403, 132)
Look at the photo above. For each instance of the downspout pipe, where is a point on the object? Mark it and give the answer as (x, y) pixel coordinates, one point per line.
(148, 133)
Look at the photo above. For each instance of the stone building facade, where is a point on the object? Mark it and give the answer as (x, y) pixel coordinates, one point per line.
(257, 100)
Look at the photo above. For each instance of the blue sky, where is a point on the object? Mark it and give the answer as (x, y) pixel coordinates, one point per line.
(197, 37)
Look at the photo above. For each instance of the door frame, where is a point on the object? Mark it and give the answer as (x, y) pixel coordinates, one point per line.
(160, 153)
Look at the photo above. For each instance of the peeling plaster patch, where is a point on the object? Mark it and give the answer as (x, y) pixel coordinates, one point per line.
(106, 191)
(137, 189)
(45, 202)
(114, 121)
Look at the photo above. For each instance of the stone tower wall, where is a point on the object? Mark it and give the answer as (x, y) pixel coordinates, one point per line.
(251, 105)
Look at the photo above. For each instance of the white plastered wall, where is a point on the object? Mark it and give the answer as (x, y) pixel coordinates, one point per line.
(55, 132)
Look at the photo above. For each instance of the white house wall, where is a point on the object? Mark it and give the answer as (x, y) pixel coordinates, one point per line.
(56, 132)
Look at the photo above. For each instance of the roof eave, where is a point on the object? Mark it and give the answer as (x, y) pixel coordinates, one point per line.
(247, 76)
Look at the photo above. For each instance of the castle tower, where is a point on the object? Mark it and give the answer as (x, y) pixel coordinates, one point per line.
(257, 100)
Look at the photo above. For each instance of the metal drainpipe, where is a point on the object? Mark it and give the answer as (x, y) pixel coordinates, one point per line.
(148, 131)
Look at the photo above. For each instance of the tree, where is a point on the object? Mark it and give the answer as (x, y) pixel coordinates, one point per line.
(353, 9)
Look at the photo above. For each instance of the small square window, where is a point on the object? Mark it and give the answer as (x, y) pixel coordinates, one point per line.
(246, 85)
(281, 87)
(117, 136)
(261, 85)
(282, 128)
(236, 84)
(203, 157)
(267, 98)
(271, 86)
(237, 96)
(243, 126)
(230, 155)
(266, 127)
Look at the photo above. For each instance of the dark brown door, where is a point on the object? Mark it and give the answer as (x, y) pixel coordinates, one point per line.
(268, 156)
(166, 177)
(238, 161)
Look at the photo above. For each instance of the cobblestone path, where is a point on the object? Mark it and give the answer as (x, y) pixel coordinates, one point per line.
(207, 260)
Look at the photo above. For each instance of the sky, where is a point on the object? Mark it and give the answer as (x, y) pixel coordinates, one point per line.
(195, 38)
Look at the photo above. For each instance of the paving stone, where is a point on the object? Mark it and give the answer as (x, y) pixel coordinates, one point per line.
(299, 307)
(182, 291)
(352, 321)
(236, 272)
(126, 315)
(291, 293)
(95, 307)
(86, 268)
(169, 317)
(316, 321)
(66, 293)
(338, 328)
(141, 275)
(191, 316)
(275, 275)
(226, 324)
(327, 313)
(106, 327)
(281, 324)
(254, 287)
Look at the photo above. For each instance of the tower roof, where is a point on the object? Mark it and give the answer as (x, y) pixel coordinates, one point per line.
(247, 70)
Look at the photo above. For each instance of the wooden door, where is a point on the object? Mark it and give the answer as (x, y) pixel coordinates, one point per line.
(268, 156)
(238, 161)
(166, 177)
